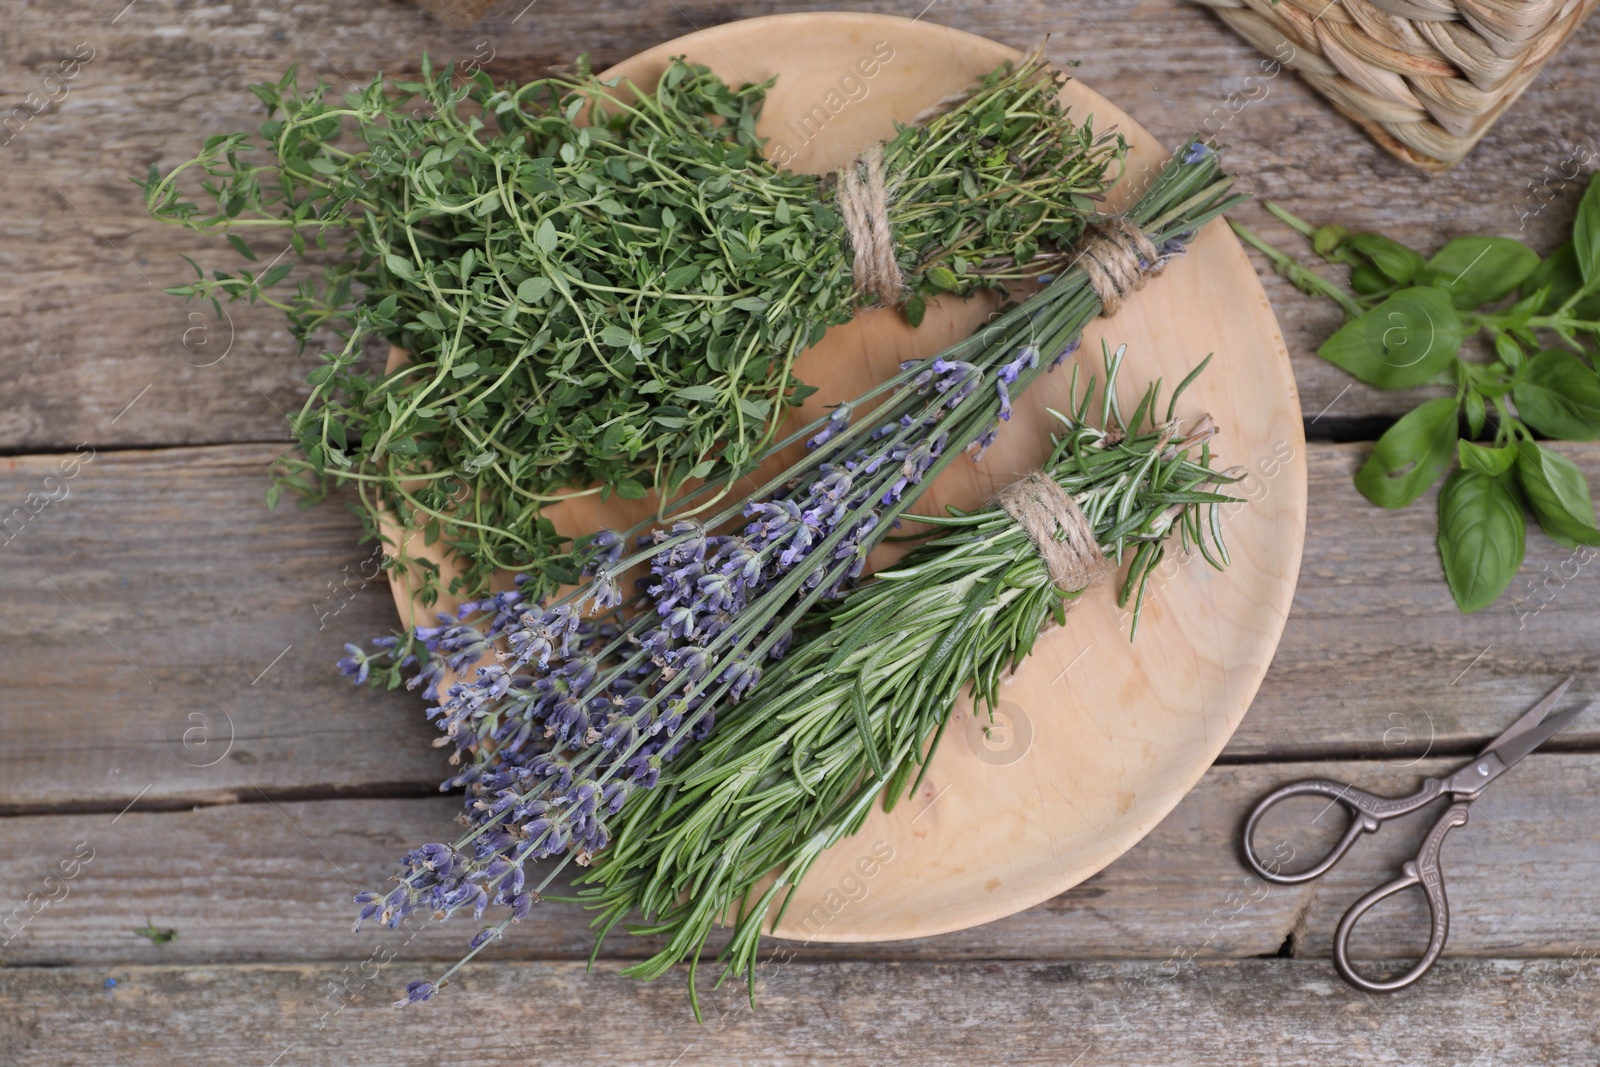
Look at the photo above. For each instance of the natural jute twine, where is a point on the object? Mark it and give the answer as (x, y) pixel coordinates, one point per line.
(1115, 254)
(1058, 529)
(864, 202)
(1119, 259)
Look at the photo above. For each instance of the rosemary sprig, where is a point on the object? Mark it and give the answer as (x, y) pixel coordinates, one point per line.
(597, 296)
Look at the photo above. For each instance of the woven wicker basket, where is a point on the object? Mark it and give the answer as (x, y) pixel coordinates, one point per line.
(1426, 78)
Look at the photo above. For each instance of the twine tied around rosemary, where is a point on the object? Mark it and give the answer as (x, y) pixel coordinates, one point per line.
(864, 203)
(1063, 536)
(1119, 259)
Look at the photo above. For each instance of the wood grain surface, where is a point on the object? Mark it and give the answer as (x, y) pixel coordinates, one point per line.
(150, 587)
(1179, 893)
(1048, 1014)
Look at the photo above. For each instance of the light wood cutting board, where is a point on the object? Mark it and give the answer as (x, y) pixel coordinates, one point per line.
(1098, 738)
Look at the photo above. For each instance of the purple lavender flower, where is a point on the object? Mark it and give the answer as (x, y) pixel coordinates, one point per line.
(1061, 357)
(357, 665)
(981, 444)
(837, 420)
(1027, 359)
(415, 992)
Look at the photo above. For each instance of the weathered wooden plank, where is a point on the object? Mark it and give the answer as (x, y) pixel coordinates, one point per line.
(168, 637)
(1377, 660)
(154, 606)
(261, 882)
(157, 608)
(1258, 1011)
(150, 83)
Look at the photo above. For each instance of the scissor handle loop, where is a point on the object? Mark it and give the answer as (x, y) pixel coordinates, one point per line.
(1367, 813)
(1423, 871)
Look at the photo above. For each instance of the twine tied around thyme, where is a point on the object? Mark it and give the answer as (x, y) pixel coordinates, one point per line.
(1058, 529)
(864, 203)
(1115, 254)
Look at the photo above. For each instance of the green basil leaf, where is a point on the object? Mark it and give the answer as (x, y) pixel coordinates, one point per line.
(1517, 315)
(1394, 259)
(1486, 460)
(1472, 404)
(1506, 347)
(1369, 281)
(1586, 233)
(1480, 270)
(1558, 493)
(1410, 456)
(1559, 396)
(1328, 240)
(1482, 537)
(1560, 277)
(1402, 342)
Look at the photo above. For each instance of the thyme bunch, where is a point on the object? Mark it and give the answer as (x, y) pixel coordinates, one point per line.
(848, 714)
(602, 290)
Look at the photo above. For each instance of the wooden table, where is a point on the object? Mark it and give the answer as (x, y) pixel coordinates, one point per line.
(172, 713)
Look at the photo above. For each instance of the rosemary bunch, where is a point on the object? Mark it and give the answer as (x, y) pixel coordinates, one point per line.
(597, 295)
(794, 768)
(568, 716)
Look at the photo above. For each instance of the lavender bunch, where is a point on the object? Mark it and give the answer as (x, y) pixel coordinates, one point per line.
(573, 707)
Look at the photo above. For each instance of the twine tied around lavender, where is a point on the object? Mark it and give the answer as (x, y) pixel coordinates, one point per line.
(1119, 259)
(1059, 530)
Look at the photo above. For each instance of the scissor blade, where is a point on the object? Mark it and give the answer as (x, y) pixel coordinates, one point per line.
(1531, 718)
(1530, 739)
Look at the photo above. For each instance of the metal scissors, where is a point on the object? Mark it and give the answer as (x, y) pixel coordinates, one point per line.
(1369, 812)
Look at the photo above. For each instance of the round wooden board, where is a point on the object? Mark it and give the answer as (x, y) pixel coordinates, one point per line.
(1098, 738)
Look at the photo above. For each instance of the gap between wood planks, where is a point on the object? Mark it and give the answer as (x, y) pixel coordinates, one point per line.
(1318, 430)
(1377, 755)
